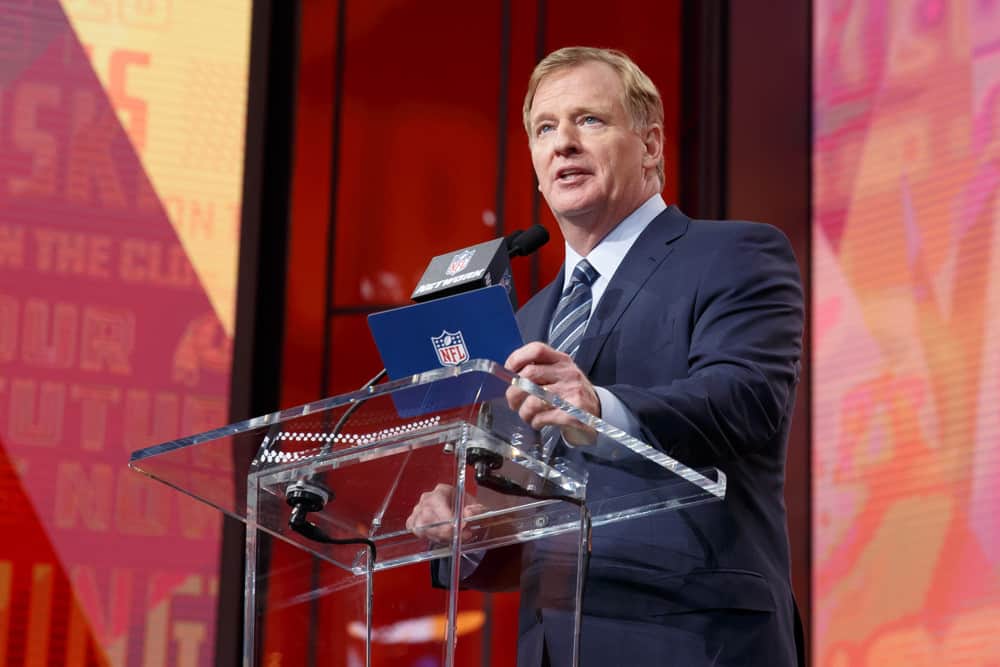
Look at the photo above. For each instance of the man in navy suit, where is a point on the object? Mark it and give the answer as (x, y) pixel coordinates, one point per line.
(692, 344)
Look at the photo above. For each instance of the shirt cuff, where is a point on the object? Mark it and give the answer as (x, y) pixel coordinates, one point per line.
(614, 412)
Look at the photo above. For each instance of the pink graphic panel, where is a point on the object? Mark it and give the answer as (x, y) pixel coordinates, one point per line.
(108, 343)
(906, 312)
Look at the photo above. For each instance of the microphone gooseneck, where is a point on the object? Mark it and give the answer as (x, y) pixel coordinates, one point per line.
(311, 494)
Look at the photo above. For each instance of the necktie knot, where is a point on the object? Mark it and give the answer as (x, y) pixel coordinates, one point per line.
(584, 273)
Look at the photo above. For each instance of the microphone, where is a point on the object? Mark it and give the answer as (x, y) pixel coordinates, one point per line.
(523, 242)
(480, 265)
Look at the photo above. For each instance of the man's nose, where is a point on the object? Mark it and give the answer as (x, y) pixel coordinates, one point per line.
(567, 139)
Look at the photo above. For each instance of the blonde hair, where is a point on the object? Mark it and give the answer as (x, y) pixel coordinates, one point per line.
(642, 99)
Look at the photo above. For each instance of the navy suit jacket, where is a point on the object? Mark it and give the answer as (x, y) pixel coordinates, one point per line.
(699, 334)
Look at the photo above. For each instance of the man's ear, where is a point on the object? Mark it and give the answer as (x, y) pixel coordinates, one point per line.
(652, 140)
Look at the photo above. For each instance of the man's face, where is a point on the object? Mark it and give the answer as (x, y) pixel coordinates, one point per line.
(588, 158)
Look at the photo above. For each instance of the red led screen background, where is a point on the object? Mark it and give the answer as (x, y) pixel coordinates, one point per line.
(430, 155)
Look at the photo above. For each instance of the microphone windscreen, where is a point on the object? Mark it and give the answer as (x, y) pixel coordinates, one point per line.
(528, 241)
(511, 241)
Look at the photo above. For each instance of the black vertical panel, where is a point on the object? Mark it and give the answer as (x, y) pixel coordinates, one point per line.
(336, 134)
(335, 163)
(536, 197)
(503, 99)
(704, 101)
(261, 278)
(768, 178)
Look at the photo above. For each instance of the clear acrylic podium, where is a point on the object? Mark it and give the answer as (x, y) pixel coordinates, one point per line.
(355, 466)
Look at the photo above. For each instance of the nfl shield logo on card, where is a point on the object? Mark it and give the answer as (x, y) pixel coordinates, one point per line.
(450, 348)
(459, 261)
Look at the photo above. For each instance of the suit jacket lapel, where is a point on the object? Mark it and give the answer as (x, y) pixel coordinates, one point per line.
(647, 253)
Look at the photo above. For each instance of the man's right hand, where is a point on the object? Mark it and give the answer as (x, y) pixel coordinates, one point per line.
(555, 372)
(432, 515)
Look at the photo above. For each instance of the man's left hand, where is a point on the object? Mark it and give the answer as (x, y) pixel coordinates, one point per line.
(554, 372)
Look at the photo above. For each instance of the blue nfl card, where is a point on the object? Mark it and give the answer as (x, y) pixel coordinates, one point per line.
(479, 324)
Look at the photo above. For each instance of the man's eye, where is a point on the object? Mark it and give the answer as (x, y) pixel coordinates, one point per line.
(543, 128)
(591, 120)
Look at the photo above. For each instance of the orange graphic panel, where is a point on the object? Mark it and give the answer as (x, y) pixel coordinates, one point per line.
(112, 335)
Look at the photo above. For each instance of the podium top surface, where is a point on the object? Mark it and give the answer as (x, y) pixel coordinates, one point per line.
(376, 450)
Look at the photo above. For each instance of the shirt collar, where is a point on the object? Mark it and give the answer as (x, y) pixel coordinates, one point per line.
(609, 253)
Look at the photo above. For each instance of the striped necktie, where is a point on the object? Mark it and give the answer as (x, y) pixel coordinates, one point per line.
(568, 324)
(571, 315)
